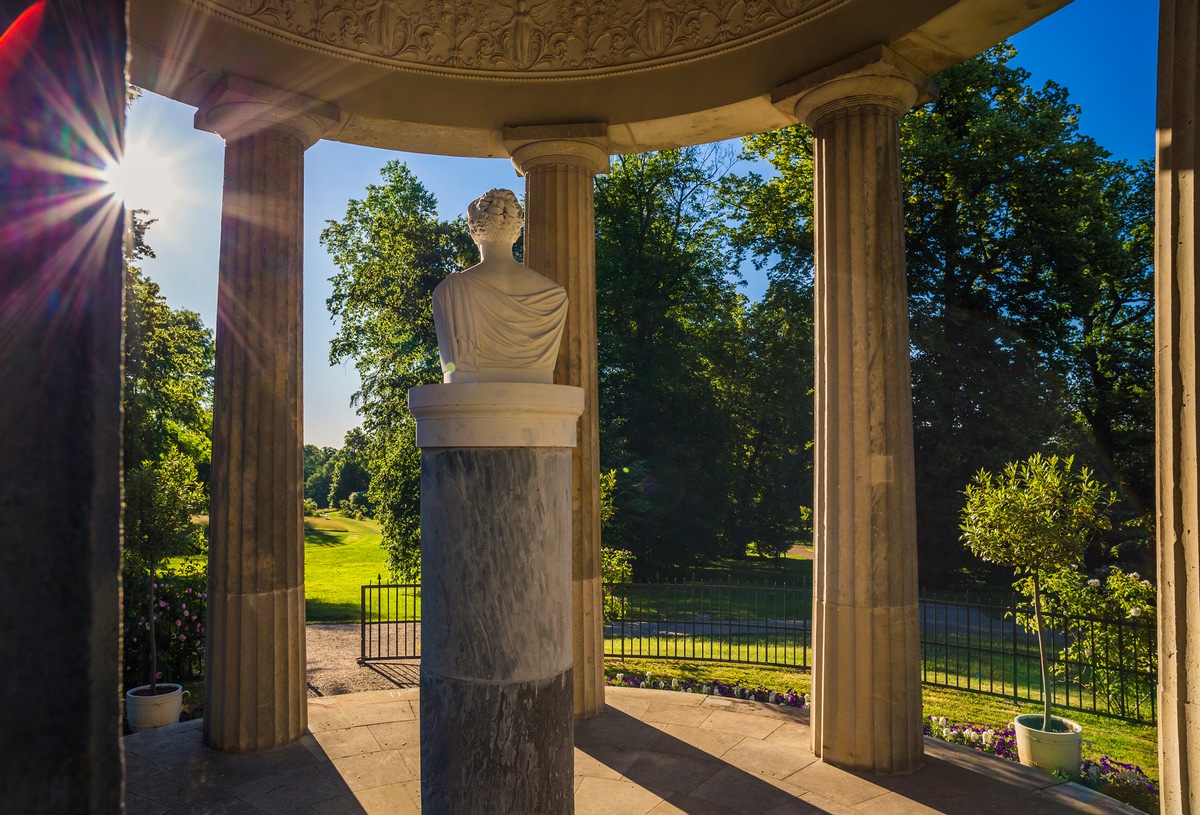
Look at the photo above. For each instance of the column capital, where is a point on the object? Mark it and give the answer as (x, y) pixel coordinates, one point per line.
(235, 108)
(582, 144)
(877, 77)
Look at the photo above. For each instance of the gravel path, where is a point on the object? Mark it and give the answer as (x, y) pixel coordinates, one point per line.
(333, 668)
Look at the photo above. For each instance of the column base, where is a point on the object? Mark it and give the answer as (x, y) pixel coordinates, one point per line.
(497, 747)
(867, 688)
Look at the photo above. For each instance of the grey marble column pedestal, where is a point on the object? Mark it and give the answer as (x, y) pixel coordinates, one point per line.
(496, 665)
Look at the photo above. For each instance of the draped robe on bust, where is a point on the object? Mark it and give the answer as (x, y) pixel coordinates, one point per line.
(485, 334)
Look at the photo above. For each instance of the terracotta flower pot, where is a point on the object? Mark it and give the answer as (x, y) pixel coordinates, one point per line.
(1060, 749)
(146, 712)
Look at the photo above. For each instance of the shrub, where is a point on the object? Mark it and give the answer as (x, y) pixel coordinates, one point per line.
(1116, 659)
(616, 566)
(181, 603)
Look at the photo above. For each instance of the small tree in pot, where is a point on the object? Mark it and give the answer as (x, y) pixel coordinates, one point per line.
(160, 498)
(1036, 517)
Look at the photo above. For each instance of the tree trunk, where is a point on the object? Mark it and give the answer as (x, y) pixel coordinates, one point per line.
(1037, 622)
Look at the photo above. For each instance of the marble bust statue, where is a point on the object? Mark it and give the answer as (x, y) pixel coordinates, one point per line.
(498, 321)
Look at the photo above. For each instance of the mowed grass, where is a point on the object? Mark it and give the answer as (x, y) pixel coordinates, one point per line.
(1120, 740)
(789, 570)
(340, 555)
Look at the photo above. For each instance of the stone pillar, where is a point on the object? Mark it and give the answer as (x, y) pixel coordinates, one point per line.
(1177, 389)
(866, 648)
(496, 693)
(62, 93)
(255, 695)
(558, 164)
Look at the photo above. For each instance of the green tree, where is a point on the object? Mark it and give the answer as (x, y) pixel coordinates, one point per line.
(168, 371)
(1028, 269)
(669, 328)
(772, 476)
(318, 473)
(391, 250)
(160, 499)
(772, 221)
(349, 470)
(1029, 254)
(1037, 518)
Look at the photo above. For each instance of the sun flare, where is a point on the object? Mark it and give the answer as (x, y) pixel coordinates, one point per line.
(145, 178)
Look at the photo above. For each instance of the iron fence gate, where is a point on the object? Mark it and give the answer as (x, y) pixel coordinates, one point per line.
(1103, 666)
(391, 621)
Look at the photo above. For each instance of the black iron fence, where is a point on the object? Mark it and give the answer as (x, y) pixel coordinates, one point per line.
(759, 625)
(1097, 665)
(391, 621)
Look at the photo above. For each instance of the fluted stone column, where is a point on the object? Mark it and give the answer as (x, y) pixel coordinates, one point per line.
(866, 650)
(62, 100)
(255, 694)
(1177, 389)
(559, 164)
(496, 692)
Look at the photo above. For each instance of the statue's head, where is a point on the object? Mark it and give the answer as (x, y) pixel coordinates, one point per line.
(495, 216)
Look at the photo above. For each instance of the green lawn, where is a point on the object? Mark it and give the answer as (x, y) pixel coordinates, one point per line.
(1118, 739)
(789, 570)
(340, 555)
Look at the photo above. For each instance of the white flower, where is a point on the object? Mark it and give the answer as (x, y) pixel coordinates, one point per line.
(1093, 582)
(674, 684)
(989, 736)
(620, 677)
(1147, 584)
(946, 733)
(1135, 575)
(943, 721)
(1135, 612)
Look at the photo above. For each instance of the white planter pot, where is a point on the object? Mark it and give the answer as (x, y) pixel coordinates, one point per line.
(146, 712)
(1049, 751)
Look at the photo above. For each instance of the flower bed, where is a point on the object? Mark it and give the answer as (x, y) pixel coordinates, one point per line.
(1124, 782)
(710, 687)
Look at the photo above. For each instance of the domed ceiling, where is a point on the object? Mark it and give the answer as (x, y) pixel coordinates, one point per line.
(450, 77)
(519, 39)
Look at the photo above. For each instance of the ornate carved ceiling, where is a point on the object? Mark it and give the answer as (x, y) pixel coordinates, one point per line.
(454, 76)
(507, 38)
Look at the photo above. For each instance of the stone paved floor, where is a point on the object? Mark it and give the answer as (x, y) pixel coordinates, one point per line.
(656, 752)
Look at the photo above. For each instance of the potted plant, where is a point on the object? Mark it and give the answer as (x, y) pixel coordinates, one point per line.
(160, 497)
(1037, 517)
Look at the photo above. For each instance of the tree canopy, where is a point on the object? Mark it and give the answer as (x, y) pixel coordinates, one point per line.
(391, 250)
(1029, 271)
(1028, 252)
(168, 370)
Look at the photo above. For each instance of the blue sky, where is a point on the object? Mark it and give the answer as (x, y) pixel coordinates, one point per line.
(1103, 51)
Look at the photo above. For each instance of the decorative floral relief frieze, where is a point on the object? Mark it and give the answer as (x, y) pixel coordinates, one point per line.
(524, 36)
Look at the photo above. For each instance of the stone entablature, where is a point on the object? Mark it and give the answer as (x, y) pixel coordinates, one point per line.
(520, 39)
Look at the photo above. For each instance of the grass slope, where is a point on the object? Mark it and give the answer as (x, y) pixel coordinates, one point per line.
(340, 555)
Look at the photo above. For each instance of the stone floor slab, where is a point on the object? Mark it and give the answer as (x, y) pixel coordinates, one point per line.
(635, 758)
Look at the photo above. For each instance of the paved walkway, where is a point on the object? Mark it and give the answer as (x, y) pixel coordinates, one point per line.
(651, 752)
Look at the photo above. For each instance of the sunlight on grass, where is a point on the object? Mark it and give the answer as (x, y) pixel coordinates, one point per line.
(340, 555)
(1121, 740)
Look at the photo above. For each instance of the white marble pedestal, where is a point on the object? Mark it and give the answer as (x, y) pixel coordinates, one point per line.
(496, 692)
